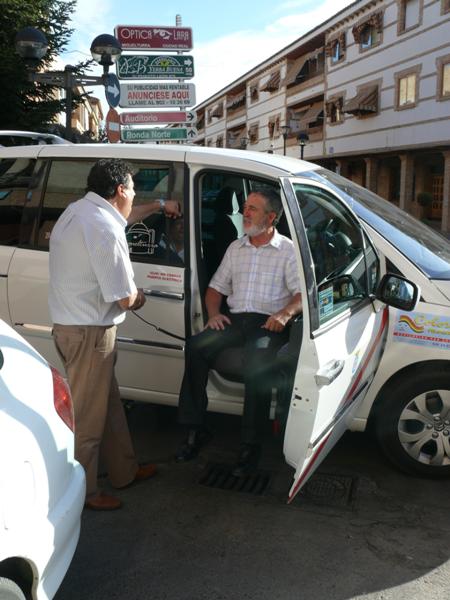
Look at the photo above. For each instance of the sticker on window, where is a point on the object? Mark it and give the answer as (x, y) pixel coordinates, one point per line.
(141, 239)
(423, 330)
(326, 302)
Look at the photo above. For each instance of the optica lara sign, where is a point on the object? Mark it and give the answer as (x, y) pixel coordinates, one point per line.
(137, 37)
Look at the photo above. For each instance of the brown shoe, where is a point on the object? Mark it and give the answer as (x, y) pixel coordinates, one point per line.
(103, 502)
(144, 472)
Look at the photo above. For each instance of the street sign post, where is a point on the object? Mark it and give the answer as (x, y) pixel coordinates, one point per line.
(136, 37)
(161, 95)
(148, 66)
(152, 118)
(113, 126)
(112, 90)
(157, 134)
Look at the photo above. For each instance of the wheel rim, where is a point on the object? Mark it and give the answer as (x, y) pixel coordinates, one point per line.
(424, 428)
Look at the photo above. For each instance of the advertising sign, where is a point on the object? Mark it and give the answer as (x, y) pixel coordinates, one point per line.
(137, 37)
(152, 118)
(151, 135)
(147, 95)
(150, 66)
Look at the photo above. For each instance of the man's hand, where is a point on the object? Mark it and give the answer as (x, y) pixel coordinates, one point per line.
(172, 209)
(277, 322)
(140, 300)
(217, 322)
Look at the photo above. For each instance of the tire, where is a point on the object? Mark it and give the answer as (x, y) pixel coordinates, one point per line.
(9, 590)
(412, 422)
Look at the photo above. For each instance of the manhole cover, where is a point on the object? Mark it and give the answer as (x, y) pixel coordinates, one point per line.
(220, 476)
(328, 490)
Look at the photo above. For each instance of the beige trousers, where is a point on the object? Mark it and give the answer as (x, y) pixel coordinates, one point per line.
(101, 430)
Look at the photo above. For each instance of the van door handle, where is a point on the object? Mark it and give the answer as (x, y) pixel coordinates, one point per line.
(163, 294)
(329, 372)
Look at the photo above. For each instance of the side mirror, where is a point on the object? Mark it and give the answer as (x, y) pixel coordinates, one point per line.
(398, 292)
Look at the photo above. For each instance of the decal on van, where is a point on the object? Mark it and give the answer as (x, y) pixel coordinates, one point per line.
(141, 239)
(423, 330)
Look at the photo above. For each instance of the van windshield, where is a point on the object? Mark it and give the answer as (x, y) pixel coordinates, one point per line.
(425, 247)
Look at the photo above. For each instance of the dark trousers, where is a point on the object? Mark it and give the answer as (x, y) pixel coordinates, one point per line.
(259, 349)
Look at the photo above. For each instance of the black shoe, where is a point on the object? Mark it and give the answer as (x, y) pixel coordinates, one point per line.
(247, 461)
(189, 449)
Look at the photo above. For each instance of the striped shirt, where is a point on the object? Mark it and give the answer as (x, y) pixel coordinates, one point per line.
(258, 279)
(90, 267)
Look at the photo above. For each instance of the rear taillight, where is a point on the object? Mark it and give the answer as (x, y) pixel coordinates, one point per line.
(62, 398)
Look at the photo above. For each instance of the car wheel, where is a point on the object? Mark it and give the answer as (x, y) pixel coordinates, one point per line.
(9, 590)
(413, 423)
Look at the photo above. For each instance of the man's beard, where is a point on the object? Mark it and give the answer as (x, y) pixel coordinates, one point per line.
(254, 230)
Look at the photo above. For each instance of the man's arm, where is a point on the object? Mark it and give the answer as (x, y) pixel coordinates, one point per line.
(213, 301)
(278, 321)
(138, 213)
(133, 302)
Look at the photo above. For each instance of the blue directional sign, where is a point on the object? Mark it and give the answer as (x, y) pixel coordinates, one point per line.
(112, 90)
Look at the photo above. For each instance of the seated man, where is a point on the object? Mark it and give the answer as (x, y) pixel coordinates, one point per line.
(259, 277)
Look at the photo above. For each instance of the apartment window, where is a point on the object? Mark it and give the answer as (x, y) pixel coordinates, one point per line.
(254, 93)
(219, 141)
(445, 6)
(335, 48)
(253, 133)
(237, 101)
(409, 14)
(443, 78)
(407, 88)
(334, 110)
(217, 111)
(274, 126)
(368, 32)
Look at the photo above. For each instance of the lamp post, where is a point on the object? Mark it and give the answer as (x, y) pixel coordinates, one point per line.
(285, 129)
(31, 44)
(303, 139)
(244, 143)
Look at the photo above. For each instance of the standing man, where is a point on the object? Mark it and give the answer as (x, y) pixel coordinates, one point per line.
(259, 277)
(91, 287)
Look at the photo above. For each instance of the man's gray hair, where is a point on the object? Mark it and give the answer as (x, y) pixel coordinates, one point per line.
(273, 202)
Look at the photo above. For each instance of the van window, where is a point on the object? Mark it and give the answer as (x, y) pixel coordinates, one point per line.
(345, 263)
(222, 196)
(15, 177)
(152, 238)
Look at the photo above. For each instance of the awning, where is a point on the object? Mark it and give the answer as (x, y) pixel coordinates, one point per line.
(365, 101)
(253, 131)
(234, 136)
(217, 111)
(273, 83)
(236, 101)
(312, 114)
(295, 69)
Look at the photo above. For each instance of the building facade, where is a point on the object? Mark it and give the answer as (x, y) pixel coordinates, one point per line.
(367, 94)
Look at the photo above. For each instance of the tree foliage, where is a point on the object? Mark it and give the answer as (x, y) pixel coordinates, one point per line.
(23, 104)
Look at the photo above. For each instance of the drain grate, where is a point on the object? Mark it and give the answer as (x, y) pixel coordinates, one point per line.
(220, 477)
(326, 489)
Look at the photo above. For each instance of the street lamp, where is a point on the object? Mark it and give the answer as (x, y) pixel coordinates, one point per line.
(285, 129)
(244, 143)
(303, 139)
(31, 45)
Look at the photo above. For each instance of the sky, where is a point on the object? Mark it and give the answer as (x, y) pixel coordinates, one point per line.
(230, 36)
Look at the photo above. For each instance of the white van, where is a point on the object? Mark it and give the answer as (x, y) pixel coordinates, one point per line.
(359, 351)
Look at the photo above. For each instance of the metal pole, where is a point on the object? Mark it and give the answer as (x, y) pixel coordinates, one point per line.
(284, 144)
(68, 87)
(302, 149)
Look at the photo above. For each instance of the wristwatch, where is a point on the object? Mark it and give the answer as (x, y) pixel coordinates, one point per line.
(162, 204)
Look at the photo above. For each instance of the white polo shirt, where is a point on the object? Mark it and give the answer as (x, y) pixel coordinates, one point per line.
(90, 267)
(259, 279)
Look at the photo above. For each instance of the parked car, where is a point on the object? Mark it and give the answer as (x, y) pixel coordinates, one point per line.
(42, 486)
(12, 137)
(367, 348)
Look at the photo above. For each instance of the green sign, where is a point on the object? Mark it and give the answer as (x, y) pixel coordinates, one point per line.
(149, 66)
(156, 134)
